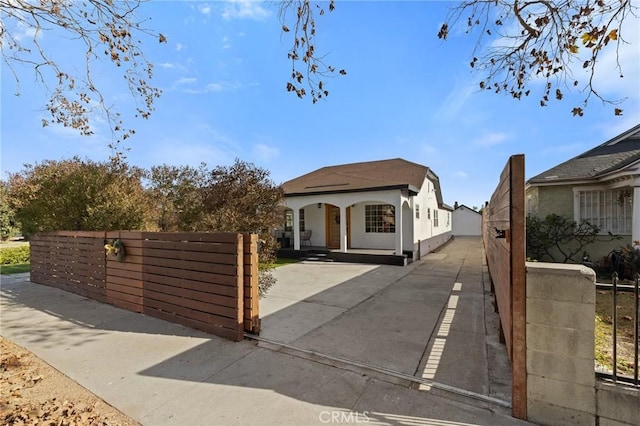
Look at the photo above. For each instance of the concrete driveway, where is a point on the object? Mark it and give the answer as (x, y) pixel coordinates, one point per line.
(433, 319)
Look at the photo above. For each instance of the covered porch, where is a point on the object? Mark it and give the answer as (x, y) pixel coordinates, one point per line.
(371, 223)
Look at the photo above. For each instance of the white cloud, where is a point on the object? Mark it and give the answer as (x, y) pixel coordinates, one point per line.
(171, 66)
(265, 152)
(205, 9)
(429, 149)
(455, 100)
(245, 9)
(461, 174)
(180, 47)
(223, 86)
(186, 80)
(24, 31)
(491, 139)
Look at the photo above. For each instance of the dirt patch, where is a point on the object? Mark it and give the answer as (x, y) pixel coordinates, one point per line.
(33, 392)
(604, 331)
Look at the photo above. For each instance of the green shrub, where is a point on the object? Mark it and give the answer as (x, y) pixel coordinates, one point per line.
(14, 255)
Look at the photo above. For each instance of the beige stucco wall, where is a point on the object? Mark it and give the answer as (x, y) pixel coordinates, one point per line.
(555, 199)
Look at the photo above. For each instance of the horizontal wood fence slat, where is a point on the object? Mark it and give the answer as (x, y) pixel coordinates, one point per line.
(207, 281)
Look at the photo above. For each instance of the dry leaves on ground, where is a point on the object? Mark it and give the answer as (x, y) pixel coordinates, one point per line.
(33, 392)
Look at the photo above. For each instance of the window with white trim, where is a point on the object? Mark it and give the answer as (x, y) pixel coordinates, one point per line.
(417, 211)
(379, 218)
(435, 218)
(609, 209)
(429, 214)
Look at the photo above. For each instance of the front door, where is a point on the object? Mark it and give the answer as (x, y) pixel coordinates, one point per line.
(333, 226)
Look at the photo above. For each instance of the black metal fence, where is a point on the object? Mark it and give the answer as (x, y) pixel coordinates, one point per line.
(616, 289)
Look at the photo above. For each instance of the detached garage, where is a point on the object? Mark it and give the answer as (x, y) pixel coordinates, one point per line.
(466, 222)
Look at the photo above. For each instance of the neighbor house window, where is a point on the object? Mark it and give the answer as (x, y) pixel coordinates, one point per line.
(417, 211)
(448, 218)
(610, 209)
(429, 214)
(379, 218)
(435, 218)
(301, 219)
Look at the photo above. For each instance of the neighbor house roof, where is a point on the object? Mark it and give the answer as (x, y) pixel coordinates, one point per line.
(609, 157)
(463, 207)
(379, 175)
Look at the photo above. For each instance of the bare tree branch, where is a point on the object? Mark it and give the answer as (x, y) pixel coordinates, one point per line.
(313, 68)
(107, 31)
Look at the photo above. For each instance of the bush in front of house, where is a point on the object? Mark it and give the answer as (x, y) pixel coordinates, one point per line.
(14, 255)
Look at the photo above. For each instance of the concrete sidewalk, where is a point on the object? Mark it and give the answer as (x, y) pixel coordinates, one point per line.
(162, 373)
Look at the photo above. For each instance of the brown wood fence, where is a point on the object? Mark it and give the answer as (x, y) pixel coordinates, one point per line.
(504, 242)
(207, 281)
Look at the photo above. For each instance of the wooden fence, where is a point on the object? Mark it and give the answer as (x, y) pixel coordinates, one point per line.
(504, 242)
(207, 281)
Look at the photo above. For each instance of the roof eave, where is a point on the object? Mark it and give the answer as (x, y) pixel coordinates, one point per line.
(412, 190)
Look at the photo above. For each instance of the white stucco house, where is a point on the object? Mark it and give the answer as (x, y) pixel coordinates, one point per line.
(466, 221)
(379, 205)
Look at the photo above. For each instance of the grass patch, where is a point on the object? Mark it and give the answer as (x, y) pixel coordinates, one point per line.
(15, 269)
(14, 255)
(604, 331)
(281, 261)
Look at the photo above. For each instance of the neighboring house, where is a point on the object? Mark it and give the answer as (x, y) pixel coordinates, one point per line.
(386, 205)
(466, 221)
(598, 186)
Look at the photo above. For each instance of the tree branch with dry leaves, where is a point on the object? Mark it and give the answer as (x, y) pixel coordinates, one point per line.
(308, 69)
(521, 42)
(106, 31)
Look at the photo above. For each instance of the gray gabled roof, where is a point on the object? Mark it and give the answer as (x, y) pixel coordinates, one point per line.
(379, 175)
(611, 156)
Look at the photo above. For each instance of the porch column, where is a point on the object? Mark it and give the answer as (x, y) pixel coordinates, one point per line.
(398, 209)
(296, 229)
(635, 223)
(343, 229)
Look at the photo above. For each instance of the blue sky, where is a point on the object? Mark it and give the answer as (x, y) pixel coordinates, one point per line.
(406, 94)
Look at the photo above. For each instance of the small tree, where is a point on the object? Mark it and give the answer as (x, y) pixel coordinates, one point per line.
(78, 195)
(175, 193)
(8, 223)
(242, 198)
(558, 238)
(238, 198)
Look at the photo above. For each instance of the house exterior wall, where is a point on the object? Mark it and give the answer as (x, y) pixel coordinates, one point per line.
(314, 221)
(466, 222)
(545, 200)
(424, 226)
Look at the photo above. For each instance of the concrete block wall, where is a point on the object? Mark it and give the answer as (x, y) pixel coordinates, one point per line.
(560, 344)
(617, 404)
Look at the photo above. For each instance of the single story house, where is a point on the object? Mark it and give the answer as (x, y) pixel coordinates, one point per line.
(466, 221)
(378, 205)
(598, 186)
